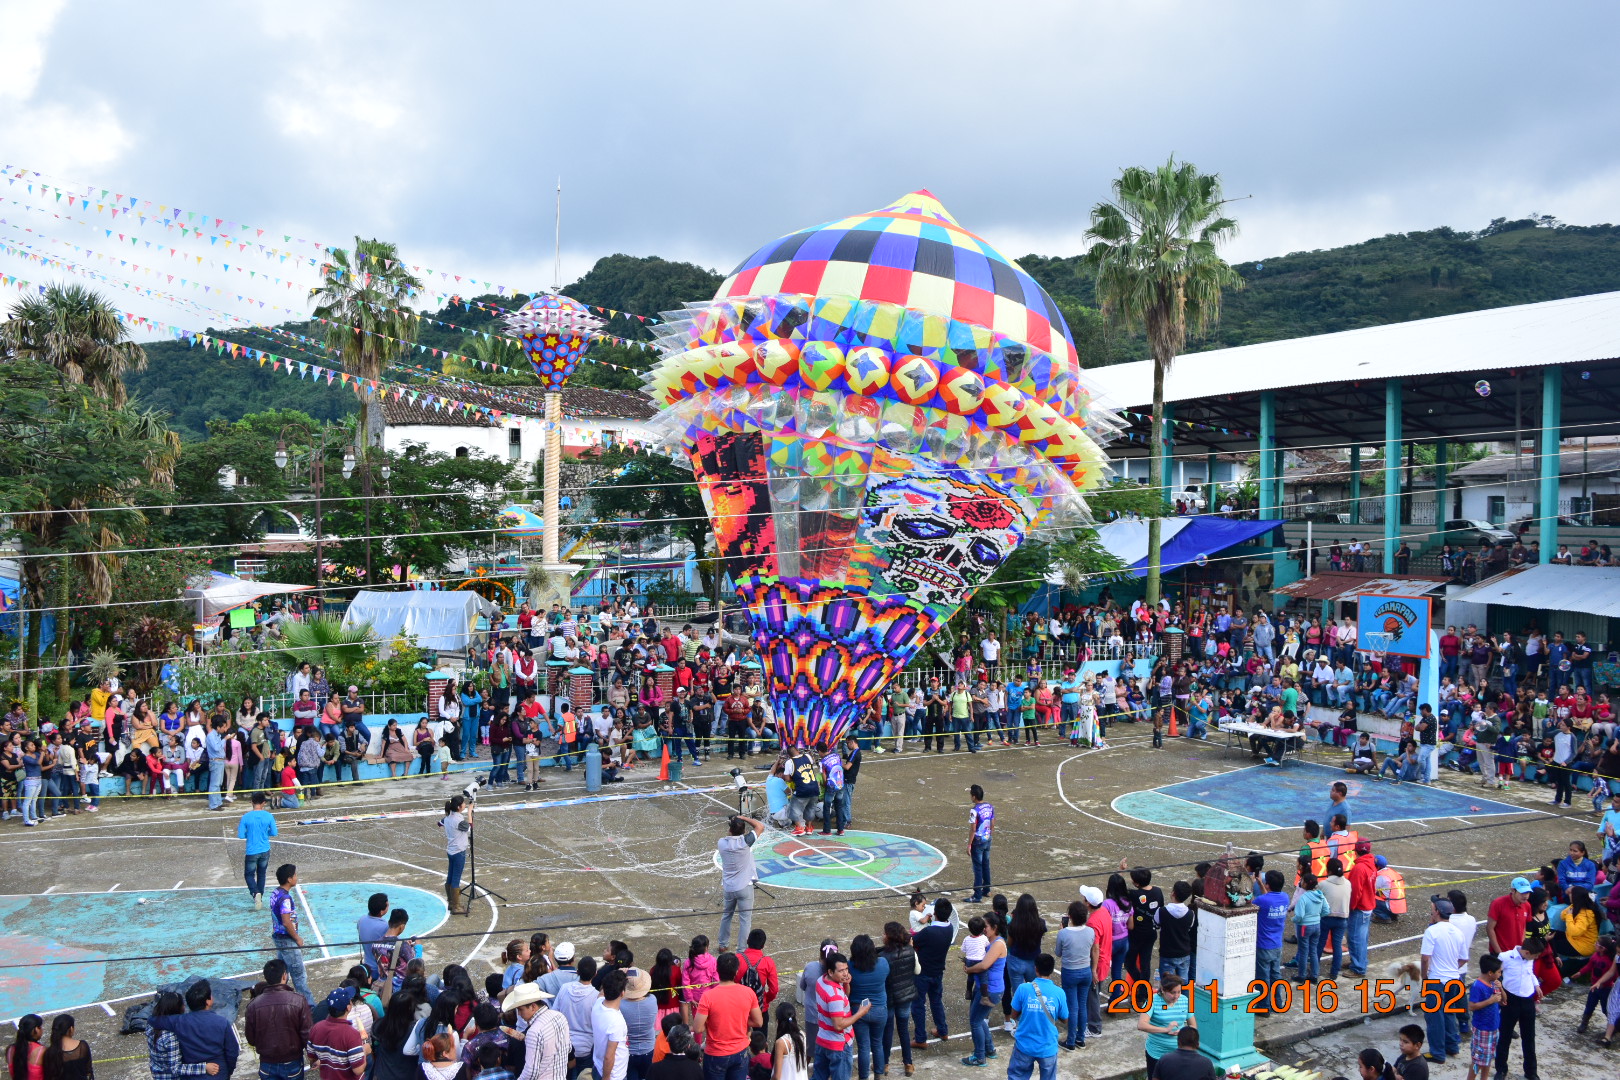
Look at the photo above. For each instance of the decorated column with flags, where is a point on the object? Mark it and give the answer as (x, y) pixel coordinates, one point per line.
(555, 331)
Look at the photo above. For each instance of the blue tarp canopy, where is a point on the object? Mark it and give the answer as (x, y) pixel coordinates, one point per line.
(8, 615)
(1206, 536)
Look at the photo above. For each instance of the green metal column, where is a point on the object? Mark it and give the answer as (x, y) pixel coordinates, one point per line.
(1440, 492)
(1209, 482)
(1552, 419)
(1355, 484)
(1392, 472)
(1268, 457)
(1166, 459)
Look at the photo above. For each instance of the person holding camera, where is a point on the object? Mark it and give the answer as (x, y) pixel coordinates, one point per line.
(737, 876)
(457, 828)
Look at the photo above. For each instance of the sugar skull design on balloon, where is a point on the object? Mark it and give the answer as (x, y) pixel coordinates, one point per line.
(877, 410)
(942, 538)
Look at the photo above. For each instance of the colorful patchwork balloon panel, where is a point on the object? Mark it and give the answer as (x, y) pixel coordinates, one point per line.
(878, 411)
(555, 331)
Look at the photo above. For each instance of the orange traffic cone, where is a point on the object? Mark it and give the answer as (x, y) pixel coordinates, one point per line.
(663, 764)
(1173, 730)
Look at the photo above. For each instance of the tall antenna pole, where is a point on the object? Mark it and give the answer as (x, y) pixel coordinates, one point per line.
(556, 268)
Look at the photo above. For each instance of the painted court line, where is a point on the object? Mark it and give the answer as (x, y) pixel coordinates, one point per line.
(314, 923)
(819, 851)
(1058, 776)
(1264, 825)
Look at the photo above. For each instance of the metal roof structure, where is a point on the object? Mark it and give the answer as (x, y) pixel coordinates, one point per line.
(1591, 590)
(1331, 386)
(1347, 585)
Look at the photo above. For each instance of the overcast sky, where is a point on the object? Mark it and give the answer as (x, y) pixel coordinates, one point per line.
(702, 130)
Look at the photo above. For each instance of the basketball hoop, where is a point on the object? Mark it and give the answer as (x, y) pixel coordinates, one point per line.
(1377, 645)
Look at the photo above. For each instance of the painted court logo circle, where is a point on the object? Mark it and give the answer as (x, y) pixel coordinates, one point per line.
(848, 863)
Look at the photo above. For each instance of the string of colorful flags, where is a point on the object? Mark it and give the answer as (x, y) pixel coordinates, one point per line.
(27, 252)
(292, 366)
(196, 223)
(1186, 425)
(187, 257)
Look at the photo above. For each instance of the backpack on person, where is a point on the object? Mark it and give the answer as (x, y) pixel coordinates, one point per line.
(749, 977)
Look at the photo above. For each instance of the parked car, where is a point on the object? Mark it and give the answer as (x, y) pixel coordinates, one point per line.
(1471, 532)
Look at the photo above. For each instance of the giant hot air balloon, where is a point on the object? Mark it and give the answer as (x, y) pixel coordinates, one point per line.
(878, 411)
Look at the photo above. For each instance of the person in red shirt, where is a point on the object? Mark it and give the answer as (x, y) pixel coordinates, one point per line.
(1450, 648)
(725, 1016)
(1363, 879)
(1506, 917)
(754, 957)
(672, 647)
(335, 1044)
(1102, 925)
(835, 1033)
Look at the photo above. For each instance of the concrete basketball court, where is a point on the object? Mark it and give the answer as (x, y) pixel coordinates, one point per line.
(637, 863)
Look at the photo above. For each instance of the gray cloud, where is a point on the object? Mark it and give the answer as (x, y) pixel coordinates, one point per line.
(702, 131)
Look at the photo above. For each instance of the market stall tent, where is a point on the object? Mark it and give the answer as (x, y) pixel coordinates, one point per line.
(439, 620)
(218, 593)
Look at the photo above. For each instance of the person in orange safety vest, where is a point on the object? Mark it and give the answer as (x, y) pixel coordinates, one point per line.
(1391, 892)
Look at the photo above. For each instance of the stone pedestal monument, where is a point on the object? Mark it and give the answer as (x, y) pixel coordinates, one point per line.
(1228, 932)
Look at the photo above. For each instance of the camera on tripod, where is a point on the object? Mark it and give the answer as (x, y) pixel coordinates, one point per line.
(471, 790)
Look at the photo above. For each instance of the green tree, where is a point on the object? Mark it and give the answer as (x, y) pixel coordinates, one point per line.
(210, 512)
(641, 494)
(72, 466)
(363, 298)
(1154, 254)
(644, 286)
(435, 507)
(504, 352)
(78, 332)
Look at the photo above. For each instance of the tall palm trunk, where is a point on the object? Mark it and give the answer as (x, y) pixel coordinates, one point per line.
(35, 590)
(1155, 481)
(64, 629)
(371, 418)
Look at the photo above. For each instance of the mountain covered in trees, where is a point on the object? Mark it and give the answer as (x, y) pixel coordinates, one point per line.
(1389, 279)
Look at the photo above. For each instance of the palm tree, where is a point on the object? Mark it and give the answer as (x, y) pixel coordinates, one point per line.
(325, 642)
(78, 332)
(363, 298)
(1154, 255)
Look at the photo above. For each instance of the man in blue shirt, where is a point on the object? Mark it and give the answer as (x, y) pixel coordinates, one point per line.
(933, 945)
(1273, 905)
(284, 934)
(257, 826)
(1609, 826)
(371, 927)
(214, 747)
(205, 1036)
(1037, 1008)
(832, 791)
(1339, 804)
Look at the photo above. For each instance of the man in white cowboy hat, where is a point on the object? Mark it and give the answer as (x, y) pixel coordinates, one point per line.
(545, 1036)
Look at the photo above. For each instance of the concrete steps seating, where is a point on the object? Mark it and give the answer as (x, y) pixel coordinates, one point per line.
(1386, 738)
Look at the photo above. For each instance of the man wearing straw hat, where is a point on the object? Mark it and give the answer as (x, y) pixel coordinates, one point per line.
(546, 1042)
